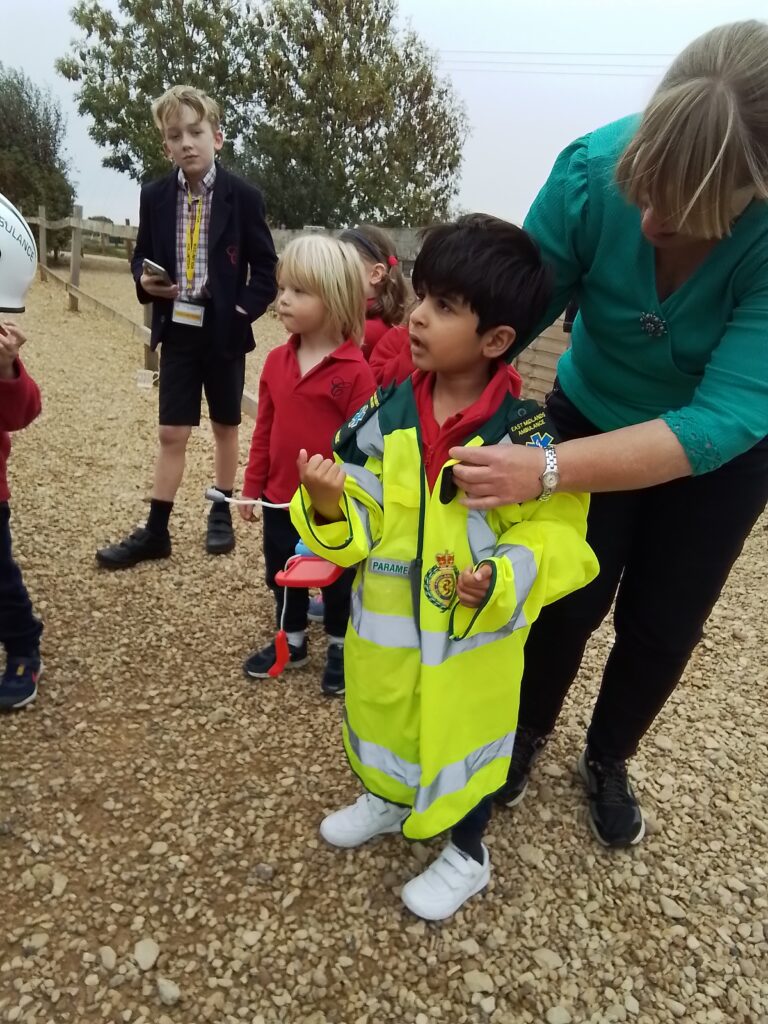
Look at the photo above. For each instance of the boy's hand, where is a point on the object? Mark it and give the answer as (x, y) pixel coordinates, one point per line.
(324, 480)
(155, 287)
(472, 585)
(11, 340)
(248, 512)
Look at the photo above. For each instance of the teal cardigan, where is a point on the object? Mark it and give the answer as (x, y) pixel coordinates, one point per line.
(699, 359)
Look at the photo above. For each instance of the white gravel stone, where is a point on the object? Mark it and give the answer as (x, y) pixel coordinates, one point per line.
(478, 981)
(548, 959)
(671, 908)
(168, 991)
(146, 952)
(108, 958)
(558, 1015)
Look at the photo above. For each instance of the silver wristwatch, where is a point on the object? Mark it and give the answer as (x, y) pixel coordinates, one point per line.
(550, 478)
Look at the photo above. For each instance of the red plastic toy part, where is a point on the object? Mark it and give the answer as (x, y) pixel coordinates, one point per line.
(308, 571)
(282, 654)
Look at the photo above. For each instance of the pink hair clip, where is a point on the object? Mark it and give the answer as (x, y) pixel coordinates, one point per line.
(392, 261)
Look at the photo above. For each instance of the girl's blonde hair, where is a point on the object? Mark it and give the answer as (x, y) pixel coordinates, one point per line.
(704, 135)
(375, 244)
(330, 269)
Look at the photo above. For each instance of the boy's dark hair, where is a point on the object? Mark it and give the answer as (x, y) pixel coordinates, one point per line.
(492, 265)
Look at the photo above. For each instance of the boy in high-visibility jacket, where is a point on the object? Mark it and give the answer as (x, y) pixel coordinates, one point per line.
(444, 596)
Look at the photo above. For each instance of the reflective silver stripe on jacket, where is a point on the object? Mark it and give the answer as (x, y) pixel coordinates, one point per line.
(450, 779)
(369, 439)
(366, 481)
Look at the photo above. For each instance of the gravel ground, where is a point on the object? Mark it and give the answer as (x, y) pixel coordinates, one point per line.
(158, 814)
(110, 280)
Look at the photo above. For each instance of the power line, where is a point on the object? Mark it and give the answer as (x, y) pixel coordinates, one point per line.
(546, 64)
(559, 53)
(651, 72)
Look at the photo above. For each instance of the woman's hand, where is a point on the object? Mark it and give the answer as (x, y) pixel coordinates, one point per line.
(500, 474)
(324, 481)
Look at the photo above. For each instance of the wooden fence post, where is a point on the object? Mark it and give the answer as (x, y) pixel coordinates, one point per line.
(128, 243)
(74, 256)
(42, 238)
(151, 361)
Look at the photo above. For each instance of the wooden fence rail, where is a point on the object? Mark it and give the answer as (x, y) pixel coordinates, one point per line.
(536, 365)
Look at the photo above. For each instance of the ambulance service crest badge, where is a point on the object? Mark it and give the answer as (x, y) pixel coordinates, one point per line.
(440, 581)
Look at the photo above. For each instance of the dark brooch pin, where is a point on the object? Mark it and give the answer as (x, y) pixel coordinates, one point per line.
(653, 325)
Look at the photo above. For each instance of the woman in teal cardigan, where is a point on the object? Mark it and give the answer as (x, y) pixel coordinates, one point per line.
(659, 226)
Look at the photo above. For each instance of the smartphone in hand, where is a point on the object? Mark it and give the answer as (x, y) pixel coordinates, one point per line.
(152, 269)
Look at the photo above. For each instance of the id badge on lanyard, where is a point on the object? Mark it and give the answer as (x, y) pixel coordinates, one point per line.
(191, 313)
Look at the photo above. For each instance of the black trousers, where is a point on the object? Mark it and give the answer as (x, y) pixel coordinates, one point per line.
(20, 629)
(665, 553)
(280, 540)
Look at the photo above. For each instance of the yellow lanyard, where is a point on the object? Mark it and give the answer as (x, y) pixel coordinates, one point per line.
(193, 237)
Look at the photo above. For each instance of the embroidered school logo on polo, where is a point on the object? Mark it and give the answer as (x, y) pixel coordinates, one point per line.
(440, 581)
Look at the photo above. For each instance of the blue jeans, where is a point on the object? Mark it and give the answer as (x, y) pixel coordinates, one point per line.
(20, 628)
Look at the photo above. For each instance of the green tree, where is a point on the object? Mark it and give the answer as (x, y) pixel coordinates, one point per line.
(33, 167)
(121, 63)
(354, 124)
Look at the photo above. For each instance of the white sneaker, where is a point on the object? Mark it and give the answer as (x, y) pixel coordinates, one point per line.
(448, 882)
(367, 817)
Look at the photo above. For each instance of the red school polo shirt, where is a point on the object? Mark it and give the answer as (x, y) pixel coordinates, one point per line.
(438, 438)
(296, 412)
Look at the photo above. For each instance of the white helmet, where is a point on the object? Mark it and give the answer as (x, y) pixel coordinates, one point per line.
(18, 258)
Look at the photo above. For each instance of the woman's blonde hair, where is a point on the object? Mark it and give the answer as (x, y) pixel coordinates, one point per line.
(374, 244)
(330, 269)
(704, 135)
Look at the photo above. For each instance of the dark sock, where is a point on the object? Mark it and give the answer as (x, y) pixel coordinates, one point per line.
(227, 494)
(159, 514)
(469, 842)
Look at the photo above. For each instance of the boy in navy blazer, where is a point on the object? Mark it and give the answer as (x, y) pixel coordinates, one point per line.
(207, 229)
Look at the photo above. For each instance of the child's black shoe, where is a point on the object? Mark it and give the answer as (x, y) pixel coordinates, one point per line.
(333, 676)
(258, 664)
(18, 687)
(140, 546)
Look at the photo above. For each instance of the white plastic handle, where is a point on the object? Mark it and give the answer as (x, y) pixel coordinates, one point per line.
(214, 494)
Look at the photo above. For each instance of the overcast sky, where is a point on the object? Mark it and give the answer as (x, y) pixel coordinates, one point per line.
(533, 75)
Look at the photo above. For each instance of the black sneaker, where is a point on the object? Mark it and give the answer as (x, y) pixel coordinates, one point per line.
(140, 546)
(258, 664)
(333, 676)
(220, 535)
(528, 745)
(614, 813)
(18, 686)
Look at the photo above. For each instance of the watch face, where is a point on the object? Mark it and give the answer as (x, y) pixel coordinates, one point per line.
(550, 478)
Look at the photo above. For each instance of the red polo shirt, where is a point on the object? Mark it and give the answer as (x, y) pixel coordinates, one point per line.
(437, 439)
(296, 412)
(19, 405)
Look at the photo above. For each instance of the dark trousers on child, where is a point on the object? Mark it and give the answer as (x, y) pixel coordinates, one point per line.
(280, 540)
(665, 553)
(20, 628)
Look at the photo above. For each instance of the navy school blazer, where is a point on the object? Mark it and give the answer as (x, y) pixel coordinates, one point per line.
(241, 256)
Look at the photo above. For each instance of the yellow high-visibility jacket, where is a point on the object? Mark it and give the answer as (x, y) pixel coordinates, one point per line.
(432, 687)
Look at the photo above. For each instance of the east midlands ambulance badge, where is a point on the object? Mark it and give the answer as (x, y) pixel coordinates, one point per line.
(440, 581)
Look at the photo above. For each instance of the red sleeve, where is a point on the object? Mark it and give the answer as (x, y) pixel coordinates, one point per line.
(257, 470)
(19, 400)
(391, 360)
(363, 386)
